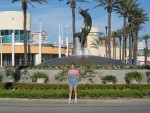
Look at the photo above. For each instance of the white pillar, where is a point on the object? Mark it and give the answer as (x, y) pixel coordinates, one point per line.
(59, 41)
(62, 36)
(40, 45)
(1, 52)
(13, 48)
(67, 41)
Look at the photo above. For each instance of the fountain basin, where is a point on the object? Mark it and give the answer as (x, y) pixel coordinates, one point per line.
(82, 60)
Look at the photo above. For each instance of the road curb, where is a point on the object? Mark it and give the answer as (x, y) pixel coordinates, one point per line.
(87, 101)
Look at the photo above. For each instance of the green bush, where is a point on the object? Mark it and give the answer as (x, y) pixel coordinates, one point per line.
(108, 78)
(62, 75)
(1, 77)
(134, 75)
(36, 86)
(84, 72)
(55, 94)
(148, 76)
(37, 75)
(9, 72)
(93, 67)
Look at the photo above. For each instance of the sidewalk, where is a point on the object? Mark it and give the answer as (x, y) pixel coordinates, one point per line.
(81, 101)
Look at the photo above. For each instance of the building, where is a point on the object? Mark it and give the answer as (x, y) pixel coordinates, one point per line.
(34, 37)
(11, 25)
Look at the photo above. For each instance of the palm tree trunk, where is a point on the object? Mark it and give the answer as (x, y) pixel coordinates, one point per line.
(145, 56)
(146, 49)
(124, 41)
(113, 48)
(24, 6)
(130, 46)
(98, 51)
(135, 48)
(73, 5)
(120, 47)
(109, 34)
(106, 45)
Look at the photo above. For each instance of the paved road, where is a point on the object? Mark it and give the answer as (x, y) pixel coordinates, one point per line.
(83, 106)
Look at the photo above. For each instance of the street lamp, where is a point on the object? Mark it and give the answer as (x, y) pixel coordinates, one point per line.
(1, 50)
(62, 34)
(59, 41)
(40, 38)
(67, 41)
(106, 29)
(13, 44)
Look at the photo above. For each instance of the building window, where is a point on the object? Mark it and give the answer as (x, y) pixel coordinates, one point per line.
(19, 36)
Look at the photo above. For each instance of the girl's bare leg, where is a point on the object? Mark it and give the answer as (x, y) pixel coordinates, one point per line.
(70, 93)
(75, 92)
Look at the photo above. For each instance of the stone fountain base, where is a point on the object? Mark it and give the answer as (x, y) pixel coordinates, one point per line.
(86, 60)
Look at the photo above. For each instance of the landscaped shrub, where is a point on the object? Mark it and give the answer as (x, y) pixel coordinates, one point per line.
(9, 72)
(109, 79)
(134, 75)
(148, 76)
(37, 75)
(55, 94)
(35, 86)
(87, 72)
(1, 77)
(93, 67)
(84, 72)
(62, 75)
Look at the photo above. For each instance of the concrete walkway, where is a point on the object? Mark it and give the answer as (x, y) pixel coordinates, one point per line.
(84, 106)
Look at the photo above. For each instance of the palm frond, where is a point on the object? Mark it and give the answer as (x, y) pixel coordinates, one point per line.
(15, 1)
(40, 1)
(97, 6)
(82, 1)
(31, 4)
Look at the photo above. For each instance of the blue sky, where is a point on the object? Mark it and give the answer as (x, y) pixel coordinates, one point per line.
(54, 12)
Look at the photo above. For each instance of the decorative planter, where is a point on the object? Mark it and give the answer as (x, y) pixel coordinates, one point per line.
(11, 80)
(40, 80)
(134, 82)
(109, 82)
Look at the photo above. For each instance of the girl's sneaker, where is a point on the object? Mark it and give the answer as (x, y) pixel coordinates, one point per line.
(75, 101)
(69, 101)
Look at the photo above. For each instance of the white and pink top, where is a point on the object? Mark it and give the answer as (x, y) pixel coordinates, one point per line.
(73, 72)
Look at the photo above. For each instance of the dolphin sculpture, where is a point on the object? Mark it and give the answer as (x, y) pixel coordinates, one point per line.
(87, 28)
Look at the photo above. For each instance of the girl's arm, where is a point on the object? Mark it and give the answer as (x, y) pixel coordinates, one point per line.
(68, 75)
(78, 75)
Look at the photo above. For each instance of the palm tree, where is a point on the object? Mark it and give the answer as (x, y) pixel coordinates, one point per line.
(108, 5)
(24, 8)
(124, 8)
(132, 6)
(140, 17)
(119, 33)
(114, 34)
(95, 43)
(73, 6)
(146, 37)
(106, 46)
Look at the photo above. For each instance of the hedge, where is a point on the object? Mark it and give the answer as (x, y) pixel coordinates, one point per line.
(36, 86)
(82, 94)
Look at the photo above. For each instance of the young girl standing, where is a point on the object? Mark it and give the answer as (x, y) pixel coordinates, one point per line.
(73, 76)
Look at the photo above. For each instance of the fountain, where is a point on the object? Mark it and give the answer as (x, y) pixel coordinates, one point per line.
(82, 56)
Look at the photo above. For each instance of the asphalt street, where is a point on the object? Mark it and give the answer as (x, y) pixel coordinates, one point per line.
(83, 106)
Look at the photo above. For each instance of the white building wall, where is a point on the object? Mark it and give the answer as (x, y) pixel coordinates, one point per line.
(13, 20)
